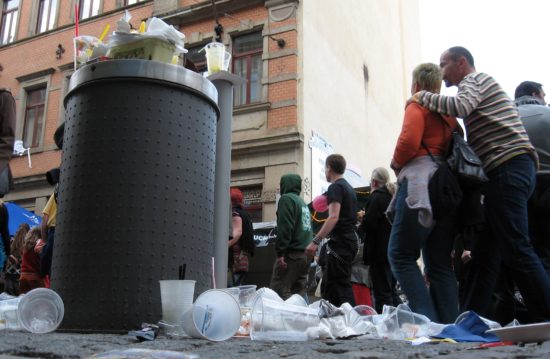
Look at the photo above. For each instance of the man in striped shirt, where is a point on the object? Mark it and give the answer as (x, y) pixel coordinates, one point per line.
(496, 133)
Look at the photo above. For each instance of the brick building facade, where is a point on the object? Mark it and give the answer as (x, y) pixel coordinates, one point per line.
(312, 67)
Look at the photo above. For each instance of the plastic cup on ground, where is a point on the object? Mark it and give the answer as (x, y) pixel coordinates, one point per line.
(215, 316)
(41, 310)
(234, 291)
(275, 320)
(296, 299)
(176, 298)
(9, 318)
(247, 295)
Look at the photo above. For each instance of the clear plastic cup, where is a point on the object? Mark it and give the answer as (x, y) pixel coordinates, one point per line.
(215, 53)
(234, 291)
(9, 318)
(215, 316)
(41, 310)
(176, 298)
(275, 320)
(226, 60)
(247, 295)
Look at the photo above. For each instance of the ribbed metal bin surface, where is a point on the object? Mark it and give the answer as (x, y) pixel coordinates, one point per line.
(136, 192)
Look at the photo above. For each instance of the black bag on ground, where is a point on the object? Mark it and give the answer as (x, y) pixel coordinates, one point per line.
(444, 190)
(464, 162)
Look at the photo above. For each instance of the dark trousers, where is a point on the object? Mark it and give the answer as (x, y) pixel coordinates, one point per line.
(510, 186)
(336, 284)
(383, 286)
(292, 279)
(5, 233)
(408, 238)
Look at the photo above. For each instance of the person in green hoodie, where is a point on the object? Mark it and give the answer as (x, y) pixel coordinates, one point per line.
(293, 236)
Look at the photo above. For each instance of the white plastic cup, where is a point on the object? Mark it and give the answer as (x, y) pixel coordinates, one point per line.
(275, 320)
(41, 310)
(176, 298)
(9, 318)
(215, 316)
(247, 295)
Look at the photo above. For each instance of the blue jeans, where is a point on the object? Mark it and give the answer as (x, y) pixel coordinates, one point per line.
(407, 239)
(510, 186)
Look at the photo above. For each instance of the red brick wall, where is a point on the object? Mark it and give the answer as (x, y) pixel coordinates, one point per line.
(29, 55)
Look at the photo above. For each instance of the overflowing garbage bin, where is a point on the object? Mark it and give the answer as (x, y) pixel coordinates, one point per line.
(136, 192)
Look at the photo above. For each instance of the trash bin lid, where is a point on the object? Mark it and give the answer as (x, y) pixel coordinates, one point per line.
(145, 69)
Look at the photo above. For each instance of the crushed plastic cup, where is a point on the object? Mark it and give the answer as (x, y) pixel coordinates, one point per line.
(402, 323)
(176, 298)
(41, 310)
(268, 293)
(84, 48)
(215, 55)
(364, 310)
(296, 299)
(215, 316)
(275, 320)
(247, 295)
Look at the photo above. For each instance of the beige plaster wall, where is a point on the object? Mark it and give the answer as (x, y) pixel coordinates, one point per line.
(360, 119)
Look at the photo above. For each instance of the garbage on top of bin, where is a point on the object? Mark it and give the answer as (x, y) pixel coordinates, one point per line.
(155, 40)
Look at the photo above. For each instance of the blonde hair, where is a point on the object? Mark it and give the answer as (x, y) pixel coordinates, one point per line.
(382, 176)
(33, 235)
(428, 77)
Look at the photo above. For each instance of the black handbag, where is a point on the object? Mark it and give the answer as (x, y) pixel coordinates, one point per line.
(464, 162)
(443, 188)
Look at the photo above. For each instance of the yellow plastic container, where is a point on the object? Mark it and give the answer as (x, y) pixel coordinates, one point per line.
(145, 49)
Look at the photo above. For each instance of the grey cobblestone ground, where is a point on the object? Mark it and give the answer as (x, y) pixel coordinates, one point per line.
(63, 345)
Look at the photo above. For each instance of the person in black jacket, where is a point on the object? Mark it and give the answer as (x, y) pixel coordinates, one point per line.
(377, 230)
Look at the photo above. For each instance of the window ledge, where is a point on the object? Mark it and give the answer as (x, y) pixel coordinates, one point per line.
(253, 107)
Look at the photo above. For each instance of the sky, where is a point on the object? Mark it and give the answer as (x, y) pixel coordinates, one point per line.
(508, 39)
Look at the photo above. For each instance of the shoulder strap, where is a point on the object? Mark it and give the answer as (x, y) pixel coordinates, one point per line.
(429, 152)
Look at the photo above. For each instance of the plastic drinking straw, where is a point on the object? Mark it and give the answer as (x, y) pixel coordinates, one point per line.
(102, 36)
(76, 19)
(213, 275)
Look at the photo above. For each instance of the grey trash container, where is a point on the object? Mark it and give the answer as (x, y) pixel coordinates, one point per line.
(136, 192)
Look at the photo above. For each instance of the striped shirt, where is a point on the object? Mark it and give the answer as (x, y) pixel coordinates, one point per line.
(494, 128)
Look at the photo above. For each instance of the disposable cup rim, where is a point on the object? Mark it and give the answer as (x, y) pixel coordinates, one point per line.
(28, 296)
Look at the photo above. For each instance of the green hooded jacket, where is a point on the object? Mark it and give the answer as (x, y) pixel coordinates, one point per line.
(293, 218)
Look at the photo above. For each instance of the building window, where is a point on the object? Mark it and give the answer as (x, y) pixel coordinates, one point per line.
(247, 63)
(10, 10)
(46, 15)
(88, 8)
(131, 2)
(34, 117)
(252, 202)
(197, 57)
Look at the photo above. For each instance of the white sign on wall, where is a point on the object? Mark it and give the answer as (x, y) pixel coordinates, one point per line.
(320, 149)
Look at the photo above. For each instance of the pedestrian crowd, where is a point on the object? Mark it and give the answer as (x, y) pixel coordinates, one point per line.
(489, 252)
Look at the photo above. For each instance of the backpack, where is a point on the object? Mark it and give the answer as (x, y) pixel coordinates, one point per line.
(247, 238)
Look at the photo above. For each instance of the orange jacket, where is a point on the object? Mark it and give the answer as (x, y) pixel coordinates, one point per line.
(422, 125)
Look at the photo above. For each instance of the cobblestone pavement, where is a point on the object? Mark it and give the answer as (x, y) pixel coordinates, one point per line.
(64, 345)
